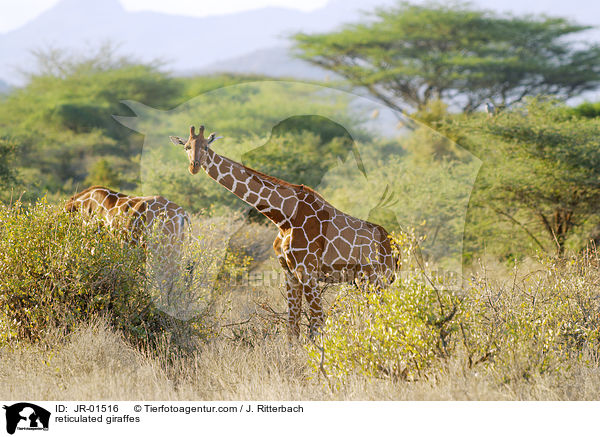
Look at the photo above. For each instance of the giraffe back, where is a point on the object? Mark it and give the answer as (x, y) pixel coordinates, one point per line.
(135, 214)
(335, 246)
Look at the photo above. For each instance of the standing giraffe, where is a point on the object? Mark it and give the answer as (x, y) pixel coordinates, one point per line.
(316, 242)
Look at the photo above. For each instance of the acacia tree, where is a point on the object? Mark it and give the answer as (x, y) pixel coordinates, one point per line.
(61, 120)
(411, 54)
(541, 168)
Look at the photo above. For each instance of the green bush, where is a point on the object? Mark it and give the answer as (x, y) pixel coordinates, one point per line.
(57, 271)
(587, 110)
(400, 333)
(516, 328)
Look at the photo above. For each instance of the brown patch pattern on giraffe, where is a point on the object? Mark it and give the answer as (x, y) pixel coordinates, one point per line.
(316, 241)
(135, 214)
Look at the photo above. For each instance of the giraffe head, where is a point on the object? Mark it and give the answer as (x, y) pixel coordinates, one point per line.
(196, 147)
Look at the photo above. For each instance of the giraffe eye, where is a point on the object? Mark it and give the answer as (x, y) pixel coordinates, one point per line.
(188, 147)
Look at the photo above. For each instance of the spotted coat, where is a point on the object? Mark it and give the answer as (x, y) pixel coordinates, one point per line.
(316, 241)
(135, 214)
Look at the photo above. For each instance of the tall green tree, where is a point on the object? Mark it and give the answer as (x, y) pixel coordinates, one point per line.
(61, 120)
(411, 54)
(102, 173)
(540, 176)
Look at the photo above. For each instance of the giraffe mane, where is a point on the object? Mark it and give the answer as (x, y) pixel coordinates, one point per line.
(284, 183)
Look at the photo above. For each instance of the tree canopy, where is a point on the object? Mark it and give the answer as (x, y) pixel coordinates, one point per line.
(408, 55)
(541, 173)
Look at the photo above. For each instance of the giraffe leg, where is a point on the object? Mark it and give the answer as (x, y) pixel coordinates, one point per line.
(294, 291)
(294, 298)
(360, 281)
(313, 299)
(310, 290)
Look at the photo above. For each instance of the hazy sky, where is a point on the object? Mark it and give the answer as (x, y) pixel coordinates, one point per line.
(15, 13)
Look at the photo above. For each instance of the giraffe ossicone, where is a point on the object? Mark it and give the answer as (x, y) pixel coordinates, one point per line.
(316, 241)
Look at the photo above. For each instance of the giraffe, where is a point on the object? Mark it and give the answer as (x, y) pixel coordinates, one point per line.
(138, 217)
(136, 214)
(316, 242)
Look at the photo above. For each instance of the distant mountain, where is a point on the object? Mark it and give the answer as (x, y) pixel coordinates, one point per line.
(184, 43)
(253, 41)
(273, 62)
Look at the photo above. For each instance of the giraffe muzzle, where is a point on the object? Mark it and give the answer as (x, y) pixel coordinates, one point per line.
(194, 167)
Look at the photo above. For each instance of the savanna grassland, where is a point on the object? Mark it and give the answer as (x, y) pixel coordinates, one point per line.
(87, 332)
(494, 214)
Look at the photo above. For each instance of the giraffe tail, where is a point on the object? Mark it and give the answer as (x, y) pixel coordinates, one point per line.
(397, 262)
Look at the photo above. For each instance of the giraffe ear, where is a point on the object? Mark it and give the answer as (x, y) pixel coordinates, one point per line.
(177, 141)
(213, 137)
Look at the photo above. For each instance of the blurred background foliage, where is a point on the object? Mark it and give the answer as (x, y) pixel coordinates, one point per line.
(537, 187)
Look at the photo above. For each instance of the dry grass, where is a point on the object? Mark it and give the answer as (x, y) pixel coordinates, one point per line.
(96, 363)
(251, 360)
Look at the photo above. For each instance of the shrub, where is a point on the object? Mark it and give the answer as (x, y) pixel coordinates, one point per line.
(587, 110)
(517, 328)
(537, 323)
(401, 332)
(57, 271)
(188, 286)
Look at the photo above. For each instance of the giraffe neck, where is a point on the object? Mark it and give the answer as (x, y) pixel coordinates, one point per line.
(254, 188)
